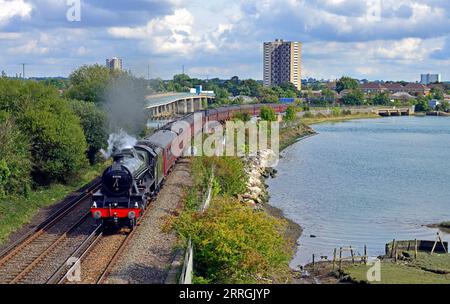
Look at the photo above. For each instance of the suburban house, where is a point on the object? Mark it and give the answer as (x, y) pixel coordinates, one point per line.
(372, 87)
(394, 87)
(402, 96)
(416, 89)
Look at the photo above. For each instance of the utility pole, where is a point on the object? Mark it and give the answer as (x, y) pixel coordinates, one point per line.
(183, 69)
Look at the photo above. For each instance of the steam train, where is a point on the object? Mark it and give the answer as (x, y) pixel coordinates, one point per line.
(138, 172)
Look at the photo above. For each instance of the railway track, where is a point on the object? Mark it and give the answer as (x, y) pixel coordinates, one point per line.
(96, 258)
(32, 256)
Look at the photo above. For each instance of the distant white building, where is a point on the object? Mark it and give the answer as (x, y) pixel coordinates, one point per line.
(114, 64)
(426, 79)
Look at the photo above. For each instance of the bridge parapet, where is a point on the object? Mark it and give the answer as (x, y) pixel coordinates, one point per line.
(394, 111)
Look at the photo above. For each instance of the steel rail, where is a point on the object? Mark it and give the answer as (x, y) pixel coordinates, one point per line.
(33, 234)
(48, 250)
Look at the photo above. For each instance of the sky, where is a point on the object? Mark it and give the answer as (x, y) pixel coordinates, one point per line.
(372, 39)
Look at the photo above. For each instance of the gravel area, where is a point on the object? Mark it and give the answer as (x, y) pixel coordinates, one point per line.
(149, 254)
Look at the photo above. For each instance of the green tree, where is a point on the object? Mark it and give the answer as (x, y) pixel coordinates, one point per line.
(268, 95)
(353, 98)
(444, 106)
(290, 113)
(437, 93)
(58, 83)
(93, 120)
(18, 96)
(346, 83)
(57, 141)
(422, 104)
(328, 95)
(381, 99)
(15, 157)
(89, 83)
(222, 95)
(268, 114)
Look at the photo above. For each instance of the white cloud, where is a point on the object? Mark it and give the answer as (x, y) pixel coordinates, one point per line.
(407, 49)
(30, 47)
(13, 8)
(176, 34)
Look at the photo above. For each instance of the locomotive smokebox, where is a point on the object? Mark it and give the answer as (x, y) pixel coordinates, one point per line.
(117, 181)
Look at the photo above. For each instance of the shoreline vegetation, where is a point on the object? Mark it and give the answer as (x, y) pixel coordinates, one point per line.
(443, 226)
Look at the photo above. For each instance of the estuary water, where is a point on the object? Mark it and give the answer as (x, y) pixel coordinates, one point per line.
(365, 182)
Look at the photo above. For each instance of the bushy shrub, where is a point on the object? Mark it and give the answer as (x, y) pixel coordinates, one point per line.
(335, 111)
(245, 117)
(15, 158)
(229, 173)
(45, 132)
(268, 114)
(290, 113)
(17, 96)
(236, 244)
(89, 83)
(93, 120)
(58, 142)
(346, 112)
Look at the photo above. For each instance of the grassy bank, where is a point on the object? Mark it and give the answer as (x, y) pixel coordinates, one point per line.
(444, 226)
(16, 211)
(323, 119)
(426, 269)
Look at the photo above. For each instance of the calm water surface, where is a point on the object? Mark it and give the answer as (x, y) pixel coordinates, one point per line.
(365, 182)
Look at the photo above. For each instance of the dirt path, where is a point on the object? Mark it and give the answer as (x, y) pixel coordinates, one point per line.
(148, 256)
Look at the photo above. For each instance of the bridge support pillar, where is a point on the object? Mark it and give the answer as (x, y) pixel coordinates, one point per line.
(182, 106)
(191, 105)
(197, 104)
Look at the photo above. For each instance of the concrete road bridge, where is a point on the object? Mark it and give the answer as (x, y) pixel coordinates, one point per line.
(170, 104)
(395, 111)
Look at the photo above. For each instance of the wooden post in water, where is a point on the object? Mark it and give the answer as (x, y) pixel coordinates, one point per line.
(334, 258)
(365, 254)
(353, 257)
(340, 258)
(313, 262)
(415, 249)
(393, 248)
